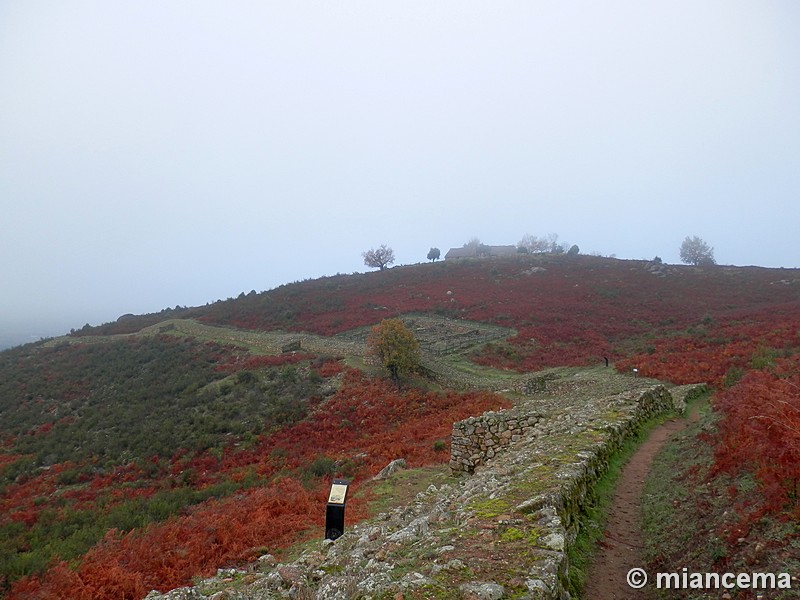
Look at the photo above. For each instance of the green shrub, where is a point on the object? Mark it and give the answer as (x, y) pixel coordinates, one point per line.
(764, 357)
(732, 376)
(321, 466)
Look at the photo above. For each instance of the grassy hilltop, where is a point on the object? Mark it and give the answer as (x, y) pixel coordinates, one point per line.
(144, 452)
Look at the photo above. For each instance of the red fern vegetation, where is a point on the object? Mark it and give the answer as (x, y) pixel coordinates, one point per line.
(753, 359)
(372, 417)
(761, 434)
(350, 429)
(169, 555)
(718, 348)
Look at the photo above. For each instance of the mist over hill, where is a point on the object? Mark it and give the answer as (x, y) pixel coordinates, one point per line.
(28, 336)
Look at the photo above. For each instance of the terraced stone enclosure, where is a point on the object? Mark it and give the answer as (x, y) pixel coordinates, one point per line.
(502, 531)
(441, 339)
(438, 335)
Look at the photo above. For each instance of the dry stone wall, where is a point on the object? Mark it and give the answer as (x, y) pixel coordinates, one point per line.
(478, 439)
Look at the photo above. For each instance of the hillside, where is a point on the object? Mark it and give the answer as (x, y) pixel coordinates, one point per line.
(144, 452)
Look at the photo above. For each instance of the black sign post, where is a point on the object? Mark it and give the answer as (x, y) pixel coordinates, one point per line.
(334, 514)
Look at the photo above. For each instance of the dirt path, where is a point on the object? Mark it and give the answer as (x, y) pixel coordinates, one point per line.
(622, 548)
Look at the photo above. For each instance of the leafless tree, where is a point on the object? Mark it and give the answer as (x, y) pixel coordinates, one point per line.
(378, 258)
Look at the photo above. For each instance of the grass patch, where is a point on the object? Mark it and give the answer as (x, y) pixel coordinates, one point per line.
(490, 508)
(462, 363)
(402, 487)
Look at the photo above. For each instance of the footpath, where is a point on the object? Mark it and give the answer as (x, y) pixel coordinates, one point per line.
(622, 546)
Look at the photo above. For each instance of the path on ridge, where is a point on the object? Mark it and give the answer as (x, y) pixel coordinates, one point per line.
(622, 546)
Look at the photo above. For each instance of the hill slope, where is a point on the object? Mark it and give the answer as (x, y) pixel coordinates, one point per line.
(572, 309)
(154, 424)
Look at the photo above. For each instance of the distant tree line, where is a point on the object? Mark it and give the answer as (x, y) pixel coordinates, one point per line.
(531, 244)
(694, 250)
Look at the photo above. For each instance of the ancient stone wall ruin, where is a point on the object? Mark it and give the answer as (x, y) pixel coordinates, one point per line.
(478, 439)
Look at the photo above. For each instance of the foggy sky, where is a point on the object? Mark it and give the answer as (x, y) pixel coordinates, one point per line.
(155, 153)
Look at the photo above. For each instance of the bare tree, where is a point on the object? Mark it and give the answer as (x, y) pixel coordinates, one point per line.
(537, 245)
(473, 244)
(533, 244)
(378, 258)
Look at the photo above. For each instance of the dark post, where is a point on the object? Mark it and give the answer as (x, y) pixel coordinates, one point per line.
(334, 514)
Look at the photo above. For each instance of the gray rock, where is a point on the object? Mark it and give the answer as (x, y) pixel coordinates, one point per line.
(184, 593)
(390, 469)
(482, 591)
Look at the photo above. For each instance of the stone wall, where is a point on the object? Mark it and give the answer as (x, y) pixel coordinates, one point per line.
(558, 511)
(478, 439)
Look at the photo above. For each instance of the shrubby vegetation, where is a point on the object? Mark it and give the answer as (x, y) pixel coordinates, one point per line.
(116, 402)
(279, 478)
(395, 347)
(119, 435)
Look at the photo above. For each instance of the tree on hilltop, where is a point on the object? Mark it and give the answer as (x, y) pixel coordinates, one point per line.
(434, 254)
(395, 346)
(477, 248)
(474, 243)
(378, 258)
(537, 245)
(695, 251)
(533, 244)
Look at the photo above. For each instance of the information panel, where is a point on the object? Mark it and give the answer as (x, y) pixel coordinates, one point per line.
(334, 512)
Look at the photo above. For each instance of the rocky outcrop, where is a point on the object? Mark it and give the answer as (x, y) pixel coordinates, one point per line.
(502, 531)
(390, 469)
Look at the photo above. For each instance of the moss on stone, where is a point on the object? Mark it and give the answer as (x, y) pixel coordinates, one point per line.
(490, 508)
